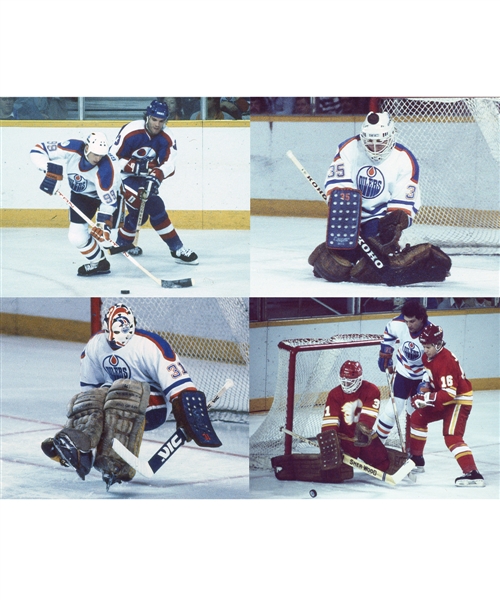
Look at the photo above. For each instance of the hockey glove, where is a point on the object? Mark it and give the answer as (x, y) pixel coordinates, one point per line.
(53, 178)
(362, 435)
(102, 230)
(385, 358)
(423, 400)
(156, 176)
(138, 166)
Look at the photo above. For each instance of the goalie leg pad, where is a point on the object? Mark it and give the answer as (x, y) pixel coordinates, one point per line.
(191, 414)
(329, 265)
(307, 467)
(85, 413)
(329, 448)
(124, 419)
(415, 264)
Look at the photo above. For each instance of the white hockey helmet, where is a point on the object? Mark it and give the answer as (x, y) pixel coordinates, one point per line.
(378, 135)
(97, 143)
(119, 324)
(351, 376)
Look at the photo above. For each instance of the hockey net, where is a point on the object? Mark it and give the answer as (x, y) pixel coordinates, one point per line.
(457, 144)
(210, 336)
(307, 370)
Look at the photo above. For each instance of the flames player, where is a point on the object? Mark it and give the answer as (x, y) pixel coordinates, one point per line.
(444, 395)
(403, 331)
(94, 180)
(130, 380)
(351, 410)
(146, 151)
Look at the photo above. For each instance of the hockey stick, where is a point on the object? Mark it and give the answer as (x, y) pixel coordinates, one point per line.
(362, 466)
(144, 195)
(172, 283)
(362, 243)
(394, 408)
(149, 467)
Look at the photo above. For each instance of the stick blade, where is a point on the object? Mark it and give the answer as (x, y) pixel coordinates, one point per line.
(402, 472)
(176, 283)
(141, 466)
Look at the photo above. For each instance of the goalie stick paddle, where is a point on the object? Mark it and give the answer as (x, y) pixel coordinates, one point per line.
(150, 466)
(362, 243)
(362, 466)
(166, 283)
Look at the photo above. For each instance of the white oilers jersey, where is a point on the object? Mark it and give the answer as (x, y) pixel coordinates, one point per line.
(145, 358)
(391, 184)
(101, 181)
(408, 359)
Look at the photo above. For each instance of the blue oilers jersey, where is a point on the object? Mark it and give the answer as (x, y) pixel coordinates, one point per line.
(134, 136)
(391, 184)
(408, 360)
(101, 181)
(146, 358)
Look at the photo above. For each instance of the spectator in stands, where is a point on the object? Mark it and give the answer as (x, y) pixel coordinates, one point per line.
(280, 106)
(236, 107)
(7, 110)
(302, 106)
(214, 111)
(175, 112)
(328, 106)
(449, 303)
(42, 108)
(258, 106)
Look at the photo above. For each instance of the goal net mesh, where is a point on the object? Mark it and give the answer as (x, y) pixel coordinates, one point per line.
(211, 338)
(457, 144)
(307, 370)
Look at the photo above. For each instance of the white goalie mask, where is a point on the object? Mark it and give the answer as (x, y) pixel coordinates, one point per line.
(119, 324)
(97, 143)
(378, 135)
(351, 376)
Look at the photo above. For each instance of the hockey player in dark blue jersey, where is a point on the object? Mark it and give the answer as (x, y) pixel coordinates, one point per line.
(146, 151)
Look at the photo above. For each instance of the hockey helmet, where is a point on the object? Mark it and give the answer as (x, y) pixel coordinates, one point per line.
(432, 335)
(119, 324)
(97, 143)
(378, 135)
(351, 376)
(158, 109)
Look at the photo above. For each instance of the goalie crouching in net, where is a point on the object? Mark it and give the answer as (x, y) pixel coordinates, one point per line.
(373, 191)
(131, 381)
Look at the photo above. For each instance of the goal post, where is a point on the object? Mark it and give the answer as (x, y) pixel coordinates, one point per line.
(210, 336)
(456, 142)
(307, 370)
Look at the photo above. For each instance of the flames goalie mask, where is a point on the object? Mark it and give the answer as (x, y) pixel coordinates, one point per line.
(351, 376)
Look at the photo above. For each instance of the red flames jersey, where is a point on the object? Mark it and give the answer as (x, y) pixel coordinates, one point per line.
(343, 411)
(447, 378)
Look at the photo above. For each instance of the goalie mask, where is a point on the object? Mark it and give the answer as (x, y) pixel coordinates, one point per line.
(378, 135)
(432, 335)
(351, 376)
(119, 324)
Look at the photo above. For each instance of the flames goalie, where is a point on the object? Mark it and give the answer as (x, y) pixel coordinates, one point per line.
(372, 187)
(130, 380)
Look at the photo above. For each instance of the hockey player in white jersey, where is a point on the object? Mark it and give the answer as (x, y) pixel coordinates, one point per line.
(130, 380)
(402, 333)
(375, 181)
(146, 151)
(94, 180)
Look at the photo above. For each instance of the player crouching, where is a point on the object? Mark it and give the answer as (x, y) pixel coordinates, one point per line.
(132, 380)
(373, 196)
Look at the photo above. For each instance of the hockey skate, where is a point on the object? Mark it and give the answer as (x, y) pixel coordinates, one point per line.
(96, 268)
(473, 478)
(419, 464)
(184, 256)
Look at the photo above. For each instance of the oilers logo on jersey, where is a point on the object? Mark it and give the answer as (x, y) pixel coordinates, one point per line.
(370, 181)
(77, 183)
(411, 351)
(116, 367)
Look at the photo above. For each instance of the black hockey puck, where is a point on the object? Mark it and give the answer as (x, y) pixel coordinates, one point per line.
(125, 291)
(313, 493)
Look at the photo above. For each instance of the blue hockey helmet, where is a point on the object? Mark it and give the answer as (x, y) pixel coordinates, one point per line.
(158, 109)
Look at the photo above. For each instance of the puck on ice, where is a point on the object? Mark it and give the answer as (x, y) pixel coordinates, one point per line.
(313, 493)
(125, 292)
